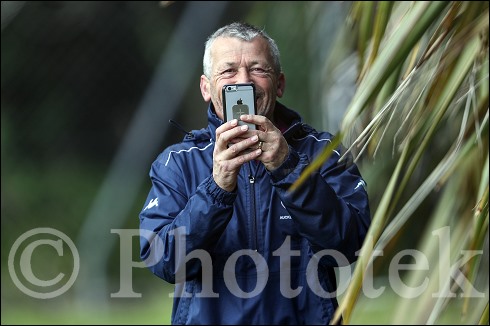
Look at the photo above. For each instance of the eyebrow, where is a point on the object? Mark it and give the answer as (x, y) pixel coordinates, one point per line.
(264, 64)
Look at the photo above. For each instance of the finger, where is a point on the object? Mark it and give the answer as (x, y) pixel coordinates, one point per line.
(245, 156)
(255, 119)
(227, 126)
(243, 145)
(227, 136)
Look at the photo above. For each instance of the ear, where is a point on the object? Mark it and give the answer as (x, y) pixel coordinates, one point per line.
(204, 86)
(281, 85)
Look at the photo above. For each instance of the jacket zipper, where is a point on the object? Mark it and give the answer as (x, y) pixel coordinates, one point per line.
(251, 179)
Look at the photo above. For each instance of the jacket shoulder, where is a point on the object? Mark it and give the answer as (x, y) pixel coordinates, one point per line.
(192, 145)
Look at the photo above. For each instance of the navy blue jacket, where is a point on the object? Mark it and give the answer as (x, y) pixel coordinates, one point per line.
(261, 254)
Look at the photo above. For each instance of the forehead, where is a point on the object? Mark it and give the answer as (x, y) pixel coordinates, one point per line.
(228, 50)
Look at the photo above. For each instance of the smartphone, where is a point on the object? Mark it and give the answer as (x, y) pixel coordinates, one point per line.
(239, 99)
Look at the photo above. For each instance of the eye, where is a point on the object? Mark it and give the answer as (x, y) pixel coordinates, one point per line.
(228, 72)
(259, 71)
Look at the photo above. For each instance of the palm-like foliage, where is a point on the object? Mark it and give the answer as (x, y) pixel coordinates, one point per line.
(421, 108)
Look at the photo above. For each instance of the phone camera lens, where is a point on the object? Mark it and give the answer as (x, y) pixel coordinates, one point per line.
(228, 88)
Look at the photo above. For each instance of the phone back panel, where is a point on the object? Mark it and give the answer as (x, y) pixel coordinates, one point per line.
(239, 99)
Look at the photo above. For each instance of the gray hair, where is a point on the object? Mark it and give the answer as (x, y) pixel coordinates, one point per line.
(245, 32)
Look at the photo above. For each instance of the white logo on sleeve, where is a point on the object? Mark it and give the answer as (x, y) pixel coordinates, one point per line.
(361, 183)
(153, 202)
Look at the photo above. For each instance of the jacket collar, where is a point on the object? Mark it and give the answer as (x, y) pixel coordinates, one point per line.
(213, 121)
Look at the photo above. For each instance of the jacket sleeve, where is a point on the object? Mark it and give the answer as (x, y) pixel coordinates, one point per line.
(331, 209)
(173, 222)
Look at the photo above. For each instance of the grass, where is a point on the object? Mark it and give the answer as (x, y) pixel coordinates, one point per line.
(155, 307)
(152, 311)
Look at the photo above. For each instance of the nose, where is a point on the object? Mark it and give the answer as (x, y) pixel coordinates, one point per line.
(243, 76)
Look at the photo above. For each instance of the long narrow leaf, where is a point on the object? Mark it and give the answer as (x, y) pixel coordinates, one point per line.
(394, 53)
(317, 162)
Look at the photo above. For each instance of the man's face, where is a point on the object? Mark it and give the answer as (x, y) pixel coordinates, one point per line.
(236, 61)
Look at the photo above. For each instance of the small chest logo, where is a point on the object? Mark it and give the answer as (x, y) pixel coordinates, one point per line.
(284, 217)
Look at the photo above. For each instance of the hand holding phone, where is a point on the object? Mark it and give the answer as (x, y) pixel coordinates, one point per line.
(239, 99)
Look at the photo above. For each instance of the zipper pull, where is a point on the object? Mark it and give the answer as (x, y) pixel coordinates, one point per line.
(251, 179)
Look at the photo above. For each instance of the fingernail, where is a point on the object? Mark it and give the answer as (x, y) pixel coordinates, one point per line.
(244, 127)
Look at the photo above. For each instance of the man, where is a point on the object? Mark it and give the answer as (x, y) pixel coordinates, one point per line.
(220, 221)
